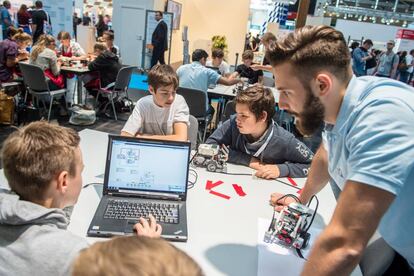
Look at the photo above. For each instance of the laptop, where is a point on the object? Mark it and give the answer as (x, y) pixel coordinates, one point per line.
(142, 177)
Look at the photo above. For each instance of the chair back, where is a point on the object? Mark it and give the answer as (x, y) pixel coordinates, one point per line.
(193, 132)
(196, 101)
(34, 77)
(123, 78)
(229, 110)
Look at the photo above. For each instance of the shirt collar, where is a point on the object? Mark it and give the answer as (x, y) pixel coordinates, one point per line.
(348, 103)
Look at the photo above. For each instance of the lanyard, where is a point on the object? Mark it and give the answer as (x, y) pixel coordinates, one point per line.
(262, 148)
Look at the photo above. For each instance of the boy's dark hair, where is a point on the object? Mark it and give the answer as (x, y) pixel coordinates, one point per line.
(259, 99)
(198, 55)
(248, 54)
(100, 46)
(217, 53)
(63, 35)
(110, 35)
(368, 41)
(162, 75)
(38, 4)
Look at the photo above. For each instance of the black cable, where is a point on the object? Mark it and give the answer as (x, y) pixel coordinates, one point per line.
(314, 213)
(299, 252)
(191, 184)
(92, 183)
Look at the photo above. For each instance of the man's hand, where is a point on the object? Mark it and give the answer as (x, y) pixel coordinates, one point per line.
(268, 172)
(278, 203)
(151, 229)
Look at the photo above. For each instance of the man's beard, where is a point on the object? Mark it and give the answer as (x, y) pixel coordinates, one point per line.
(312, 116)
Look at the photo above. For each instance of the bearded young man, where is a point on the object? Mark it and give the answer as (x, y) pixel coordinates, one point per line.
(368, 152)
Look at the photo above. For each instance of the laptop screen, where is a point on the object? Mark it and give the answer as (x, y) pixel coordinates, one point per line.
(146, 165)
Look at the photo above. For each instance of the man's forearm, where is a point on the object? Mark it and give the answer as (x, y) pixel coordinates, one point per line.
(318, 175)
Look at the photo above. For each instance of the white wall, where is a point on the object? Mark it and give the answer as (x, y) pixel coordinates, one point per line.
(60, 13)
(375, 32)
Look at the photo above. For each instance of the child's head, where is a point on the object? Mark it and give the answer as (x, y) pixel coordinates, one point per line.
(255, 105)
(217, 55)
(44, 162)
(247, 58)
(134, 256)
(163, 83)
(99, 48)
(108, 37)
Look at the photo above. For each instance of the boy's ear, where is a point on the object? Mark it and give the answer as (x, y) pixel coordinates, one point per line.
(263, 116)
(61, 181)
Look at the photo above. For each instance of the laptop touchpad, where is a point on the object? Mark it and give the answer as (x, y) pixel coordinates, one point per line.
(129, 225)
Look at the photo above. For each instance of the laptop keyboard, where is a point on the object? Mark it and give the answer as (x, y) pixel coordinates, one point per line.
(123, 209)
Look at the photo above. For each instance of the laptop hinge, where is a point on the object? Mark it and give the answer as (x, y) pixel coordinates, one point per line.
(142, 194)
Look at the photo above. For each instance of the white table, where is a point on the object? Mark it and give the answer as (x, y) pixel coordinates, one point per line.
(222, 233)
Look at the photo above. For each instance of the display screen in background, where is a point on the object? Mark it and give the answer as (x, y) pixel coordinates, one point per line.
(138, 81)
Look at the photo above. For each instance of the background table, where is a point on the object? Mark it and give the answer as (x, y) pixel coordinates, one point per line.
(78, 71)
(222, 234)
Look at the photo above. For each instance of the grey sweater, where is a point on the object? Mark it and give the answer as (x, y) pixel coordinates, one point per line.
(292, 156)
(34, 239)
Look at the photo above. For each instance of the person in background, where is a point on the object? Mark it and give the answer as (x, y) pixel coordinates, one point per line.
(12, 51)
(163, 114)
(159, 40)
(410, 57)
(245, 71)
(70, 48)
(108, 21)
(403, 67)
(247, 42)
(39, 17)
(43, 166)
(106, 63)
(353, 46)
(101, 27)
(76, 21)
(5, 17)
(196, 76)
(360, 56)
(86, 20)
(255, 140)
(44, 55)
(119, 256)
(267, 40)
(371, 63)
(109, 37)
(24, 18)
(217, 56)
(387, 63)
(256, 43)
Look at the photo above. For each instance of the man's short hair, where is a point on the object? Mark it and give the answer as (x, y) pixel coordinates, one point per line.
(369, 42)
(259, 99)
(134, 256)
(100, 46)
(160, 13)
(6, 3)
(311, 49)
(162, 75)
(412, 52)
(38, 4)
(33, 155)
(198, 55)
(217, 53)
(248, 54)
(110, 35)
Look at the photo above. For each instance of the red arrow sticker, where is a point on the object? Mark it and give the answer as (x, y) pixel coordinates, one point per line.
(239, 190)
(292, 181)
(210, 185)
(219, 194)
(299, 192)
